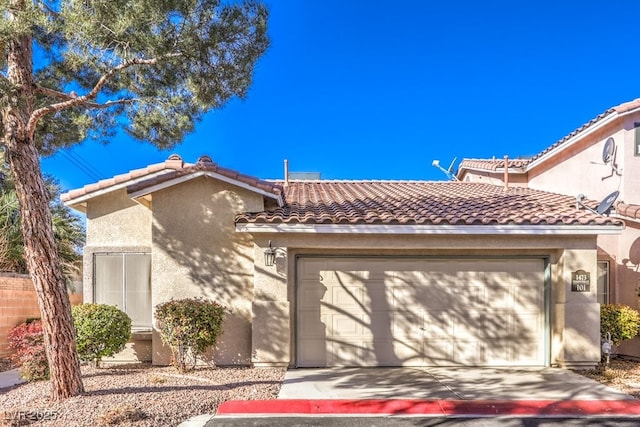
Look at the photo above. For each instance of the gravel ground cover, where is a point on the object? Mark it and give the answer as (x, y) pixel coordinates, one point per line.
(622, 374)
(145, 395)
(138, 395)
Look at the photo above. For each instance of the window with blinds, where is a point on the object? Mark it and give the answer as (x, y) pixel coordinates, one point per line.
(124, 280)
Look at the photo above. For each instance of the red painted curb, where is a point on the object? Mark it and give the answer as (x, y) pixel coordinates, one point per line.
(432, 407)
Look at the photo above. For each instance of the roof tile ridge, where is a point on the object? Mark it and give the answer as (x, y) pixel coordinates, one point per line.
(481, 159)
(627, 106)
(360, 181)
(619, 109)
(575, 132)
(494, 159)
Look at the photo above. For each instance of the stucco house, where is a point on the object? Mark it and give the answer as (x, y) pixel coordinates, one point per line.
(366, 273)
(598, 160)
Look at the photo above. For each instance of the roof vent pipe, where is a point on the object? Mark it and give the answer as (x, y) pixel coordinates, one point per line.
(506, 172)
(286, 171)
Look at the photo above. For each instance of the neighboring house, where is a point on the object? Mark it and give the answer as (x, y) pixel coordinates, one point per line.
(366, 273)
(594, 161)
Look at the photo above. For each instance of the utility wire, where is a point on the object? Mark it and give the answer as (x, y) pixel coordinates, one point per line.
(82, 164)
(87, 164)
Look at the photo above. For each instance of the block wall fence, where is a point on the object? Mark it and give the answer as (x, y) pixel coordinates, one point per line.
(18, 302)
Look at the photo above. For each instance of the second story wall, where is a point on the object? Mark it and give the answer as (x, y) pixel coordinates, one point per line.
(495, 178)
(579, 169)
(629, 161)
(197, 253)
(115, 220)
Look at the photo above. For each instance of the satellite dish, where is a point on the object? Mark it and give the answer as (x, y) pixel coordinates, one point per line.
(447, 172)
(606, 204)
(607, 152)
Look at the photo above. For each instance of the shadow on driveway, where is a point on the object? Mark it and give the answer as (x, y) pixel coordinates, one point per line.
(445, 384)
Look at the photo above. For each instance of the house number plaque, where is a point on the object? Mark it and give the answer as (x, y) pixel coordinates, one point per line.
(580, 281)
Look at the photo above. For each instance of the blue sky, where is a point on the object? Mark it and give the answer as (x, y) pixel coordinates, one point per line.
(359, 89)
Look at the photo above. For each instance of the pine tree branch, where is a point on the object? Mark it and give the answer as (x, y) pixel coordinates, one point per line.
(70, 96)
(108, 104)
(52, 93)
(85, 100)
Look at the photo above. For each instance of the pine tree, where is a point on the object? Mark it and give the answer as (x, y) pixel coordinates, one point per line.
(78, 69)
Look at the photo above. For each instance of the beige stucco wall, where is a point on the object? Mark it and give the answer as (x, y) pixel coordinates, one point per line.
(197, 253)
(115, 223)
(113, 219)
(495, 178)
(576, 317)
(629, 162)
(628, 279)
(578, 170)
(574, 335)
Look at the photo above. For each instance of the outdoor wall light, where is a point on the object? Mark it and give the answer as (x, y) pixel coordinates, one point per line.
(269, 256)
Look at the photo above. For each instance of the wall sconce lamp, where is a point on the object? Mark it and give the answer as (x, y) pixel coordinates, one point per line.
(269, 256)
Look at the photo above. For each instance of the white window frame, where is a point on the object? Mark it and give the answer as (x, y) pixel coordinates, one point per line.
(125, 308)
(603, 297)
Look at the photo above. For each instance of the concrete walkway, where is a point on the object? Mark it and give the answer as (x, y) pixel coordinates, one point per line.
(10, 378)
(444, 383)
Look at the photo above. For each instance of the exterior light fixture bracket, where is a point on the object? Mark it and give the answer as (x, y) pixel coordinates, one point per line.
(269, 256)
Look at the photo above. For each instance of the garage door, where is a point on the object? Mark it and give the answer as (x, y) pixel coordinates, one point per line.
(420, 312)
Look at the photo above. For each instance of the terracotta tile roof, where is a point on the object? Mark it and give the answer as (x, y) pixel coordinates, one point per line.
(514, 165)
(170, 169)
(421, 202)
(492, 165)
(627, 106)
(618, 109)
(575, 132)
(628, 210)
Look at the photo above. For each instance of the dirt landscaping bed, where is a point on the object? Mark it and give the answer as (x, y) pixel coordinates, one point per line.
(5, 364)
(622, 374)
(138, 395)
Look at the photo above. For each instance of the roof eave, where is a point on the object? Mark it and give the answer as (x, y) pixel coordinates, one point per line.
(422, 229)
(136, 195)
(511, 171)
(625, 217)
(79, 203)
(616, 115)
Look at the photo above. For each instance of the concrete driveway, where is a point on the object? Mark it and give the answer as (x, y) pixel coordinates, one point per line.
(451, 383)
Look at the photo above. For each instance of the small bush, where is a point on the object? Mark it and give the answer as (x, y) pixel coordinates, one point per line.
(101, 330)
(620, 320)
(28, 341)
(121, 414)
(157, 379)
(189, 327)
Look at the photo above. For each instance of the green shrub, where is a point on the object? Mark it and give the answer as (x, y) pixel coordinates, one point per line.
(28, 341)
(101, 330)
(620, 320)
(189, 327)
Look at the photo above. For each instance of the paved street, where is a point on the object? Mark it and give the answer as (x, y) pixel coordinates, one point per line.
(425, 421)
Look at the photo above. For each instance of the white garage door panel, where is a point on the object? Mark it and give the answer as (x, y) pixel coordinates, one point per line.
(420, 312)
(314, 352)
